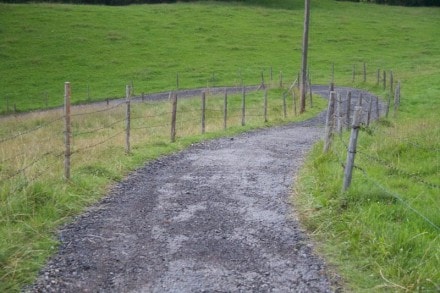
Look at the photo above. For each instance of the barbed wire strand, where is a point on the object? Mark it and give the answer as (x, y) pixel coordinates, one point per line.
(30, 130)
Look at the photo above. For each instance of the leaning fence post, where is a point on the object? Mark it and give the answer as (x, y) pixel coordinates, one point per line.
(173, 117)
(127, 119)
(351, 152)
(203, 111)
(329, 121)
(67, 130)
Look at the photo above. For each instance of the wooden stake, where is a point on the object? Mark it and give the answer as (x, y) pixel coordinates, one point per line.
(305, 49)
(127, 119)
(329, 122)
(173, 117)
(294, 103)
(348, 172)
(378, 77)
(384, 79)
(67, 130)
(203, 111)
(339, 114)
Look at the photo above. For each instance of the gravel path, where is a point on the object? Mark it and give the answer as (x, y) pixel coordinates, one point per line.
(216, 217)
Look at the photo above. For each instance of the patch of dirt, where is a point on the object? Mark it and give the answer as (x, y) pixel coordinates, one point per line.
(216, 217)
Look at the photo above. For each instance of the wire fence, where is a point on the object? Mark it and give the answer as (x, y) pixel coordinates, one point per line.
(337, 116)
(97, 128)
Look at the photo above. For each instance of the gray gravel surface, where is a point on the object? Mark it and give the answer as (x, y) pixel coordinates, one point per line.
(216, 217)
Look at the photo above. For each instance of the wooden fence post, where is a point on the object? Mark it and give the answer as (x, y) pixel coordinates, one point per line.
(67, 130)
(127, 119)
(384, 79)
(351, 152)
(391, 83)
(203, 111)
(271, 75)
(265, 106)
(225, 110)
(262, 80)
(339, 114)
(173, 117)
(294, 102)
(329, 122)
(348, 111)
(243, 107)
(388, 105)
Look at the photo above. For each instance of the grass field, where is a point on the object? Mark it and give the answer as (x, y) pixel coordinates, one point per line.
(375, 240)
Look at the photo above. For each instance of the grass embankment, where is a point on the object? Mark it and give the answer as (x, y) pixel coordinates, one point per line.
(374, 239)
(384, 233)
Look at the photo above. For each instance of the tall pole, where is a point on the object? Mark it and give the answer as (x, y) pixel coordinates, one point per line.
(305, 49)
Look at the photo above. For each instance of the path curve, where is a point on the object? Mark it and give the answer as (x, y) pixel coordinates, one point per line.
(216, 217)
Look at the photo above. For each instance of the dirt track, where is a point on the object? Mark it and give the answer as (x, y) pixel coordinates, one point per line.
(214, 218)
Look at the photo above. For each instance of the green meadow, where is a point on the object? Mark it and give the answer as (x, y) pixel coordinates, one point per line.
(381, 235)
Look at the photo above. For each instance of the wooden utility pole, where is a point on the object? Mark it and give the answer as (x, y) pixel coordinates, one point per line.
(305, 49)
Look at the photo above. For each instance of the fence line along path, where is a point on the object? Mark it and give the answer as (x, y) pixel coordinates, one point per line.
(215, 217)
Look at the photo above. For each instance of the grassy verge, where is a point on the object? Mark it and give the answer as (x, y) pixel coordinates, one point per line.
(384, 233)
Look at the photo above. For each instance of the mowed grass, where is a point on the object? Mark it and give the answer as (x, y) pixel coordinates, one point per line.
(376, 241)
